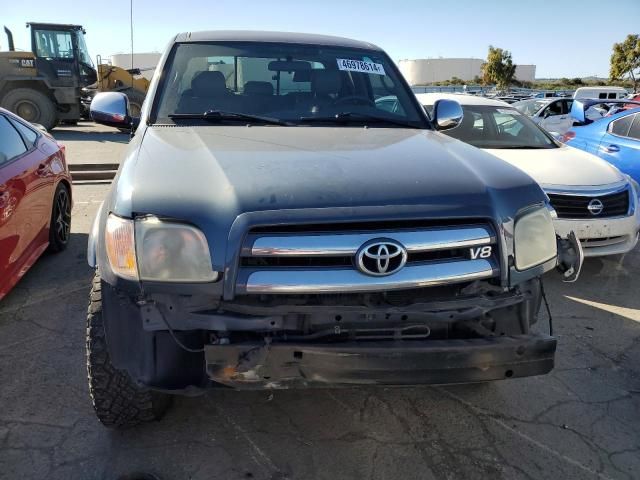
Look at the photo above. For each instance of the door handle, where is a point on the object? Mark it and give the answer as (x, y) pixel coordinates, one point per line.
(611, 148)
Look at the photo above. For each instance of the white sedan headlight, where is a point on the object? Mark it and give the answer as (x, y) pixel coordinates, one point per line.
(151, 249)
(534, 239)
(635, 189)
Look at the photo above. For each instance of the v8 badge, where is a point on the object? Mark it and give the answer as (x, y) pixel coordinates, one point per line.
(480, 252)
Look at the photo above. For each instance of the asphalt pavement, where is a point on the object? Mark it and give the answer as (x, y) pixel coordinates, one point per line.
(582, 421)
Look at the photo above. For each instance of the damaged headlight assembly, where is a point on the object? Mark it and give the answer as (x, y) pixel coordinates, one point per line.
(152, 249)
(534, 239)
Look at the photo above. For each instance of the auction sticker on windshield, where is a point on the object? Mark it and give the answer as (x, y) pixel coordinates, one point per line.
(360, 66)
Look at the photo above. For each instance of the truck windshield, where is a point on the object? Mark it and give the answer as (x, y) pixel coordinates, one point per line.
(83, 52)
(292, 83)
(497, 127)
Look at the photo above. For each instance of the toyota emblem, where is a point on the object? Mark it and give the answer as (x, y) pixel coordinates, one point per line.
(595, 207)
(381, 257)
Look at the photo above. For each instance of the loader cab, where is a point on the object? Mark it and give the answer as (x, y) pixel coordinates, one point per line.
(61, 54)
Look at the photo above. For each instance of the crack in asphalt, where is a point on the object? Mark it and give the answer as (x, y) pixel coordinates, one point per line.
(499, 421)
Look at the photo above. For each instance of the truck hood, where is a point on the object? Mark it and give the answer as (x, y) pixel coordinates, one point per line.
(557, 167)
(213, 175)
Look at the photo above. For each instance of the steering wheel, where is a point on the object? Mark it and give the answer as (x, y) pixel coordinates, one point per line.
(355, 99)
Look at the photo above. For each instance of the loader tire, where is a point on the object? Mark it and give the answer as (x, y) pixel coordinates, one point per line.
(136, 98)
(31, 105)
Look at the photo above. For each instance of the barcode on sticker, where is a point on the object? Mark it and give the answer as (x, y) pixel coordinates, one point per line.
(360, 66)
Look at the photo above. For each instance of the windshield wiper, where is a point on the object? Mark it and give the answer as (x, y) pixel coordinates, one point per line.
(346, 117)
(217, 115)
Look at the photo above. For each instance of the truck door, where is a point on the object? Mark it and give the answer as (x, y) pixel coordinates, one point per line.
(55, 56)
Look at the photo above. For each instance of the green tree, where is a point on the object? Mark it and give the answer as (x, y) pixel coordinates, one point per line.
(499, 68)
(625, 60)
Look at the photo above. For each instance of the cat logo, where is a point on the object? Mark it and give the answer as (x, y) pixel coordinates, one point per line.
(26, 62)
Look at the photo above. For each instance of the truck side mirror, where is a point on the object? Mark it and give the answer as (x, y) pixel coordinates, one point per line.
(447, 114)
(111, 109)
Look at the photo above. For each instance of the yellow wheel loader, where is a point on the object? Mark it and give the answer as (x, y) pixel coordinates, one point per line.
(55, 81)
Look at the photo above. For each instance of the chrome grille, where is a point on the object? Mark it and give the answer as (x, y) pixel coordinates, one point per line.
(295, 261)
(576, 206)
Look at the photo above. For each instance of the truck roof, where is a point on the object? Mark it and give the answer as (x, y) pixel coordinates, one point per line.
(55, 26)
(273, 37)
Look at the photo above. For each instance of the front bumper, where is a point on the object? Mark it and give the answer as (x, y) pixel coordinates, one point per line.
(427, 336)
(286, 365)
(605, 236)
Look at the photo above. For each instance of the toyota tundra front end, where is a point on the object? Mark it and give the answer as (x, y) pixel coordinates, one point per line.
(272, 226)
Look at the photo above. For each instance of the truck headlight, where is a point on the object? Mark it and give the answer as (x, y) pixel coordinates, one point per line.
(172, 252)
(151, 249)
(534, 239)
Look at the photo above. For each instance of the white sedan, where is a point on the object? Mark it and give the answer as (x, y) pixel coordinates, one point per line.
(552, 114)
(589, 195)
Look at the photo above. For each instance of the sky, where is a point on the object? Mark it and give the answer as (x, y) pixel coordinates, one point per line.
(562, 38)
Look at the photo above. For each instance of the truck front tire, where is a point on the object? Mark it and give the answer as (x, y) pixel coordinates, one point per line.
(31, 105)
(117, 400)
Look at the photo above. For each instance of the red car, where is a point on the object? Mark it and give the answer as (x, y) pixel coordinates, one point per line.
(35, 197)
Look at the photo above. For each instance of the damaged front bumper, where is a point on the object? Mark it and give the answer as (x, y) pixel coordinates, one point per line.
(287, 365)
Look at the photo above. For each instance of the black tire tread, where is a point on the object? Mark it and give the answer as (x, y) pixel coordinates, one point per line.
(135, 96)
(56, 246)
(118, 402)
(48, 116)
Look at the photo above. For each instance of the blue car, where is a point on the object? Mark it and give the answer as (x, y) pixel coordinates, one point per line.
(614, 138)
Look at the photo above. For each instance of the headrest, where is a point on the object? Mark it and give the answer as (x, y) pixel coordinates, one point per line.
(208, 83)
(258, 88)
(325, 82)
(302, 75)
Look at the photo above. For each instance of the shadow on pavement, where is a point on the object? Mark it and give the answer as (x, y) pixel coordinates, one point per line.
(110, 136)
(52, 276)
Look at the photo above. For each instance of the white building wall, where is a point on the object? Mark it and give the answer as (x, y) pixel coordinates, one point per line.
(143, 61)
(526, 73)
(431, 70)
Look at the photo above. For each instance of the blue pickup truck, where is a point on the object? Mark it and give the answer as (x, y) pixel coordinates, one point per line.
(258, 236)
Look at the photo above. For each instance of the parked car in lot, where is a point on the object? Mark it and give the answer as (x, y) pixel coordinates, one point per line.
(614, 138)
(35, 197)
(590, 197)
(600, 93)
(552, 114)
(260, 237)
(389, 103)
